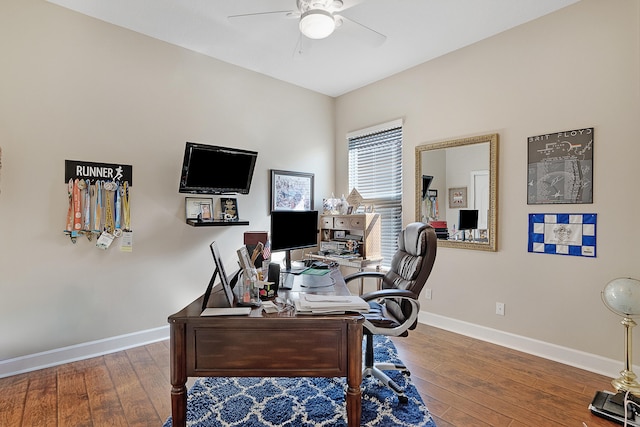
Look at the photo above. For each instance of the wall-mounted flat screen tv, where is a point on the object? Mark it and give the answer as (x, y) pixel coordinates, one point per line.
(209, 169)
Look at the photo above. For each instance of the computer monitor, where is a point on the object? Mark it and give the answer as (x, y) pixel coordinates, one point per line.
(293, 230)
(223, 297)
(468, 219)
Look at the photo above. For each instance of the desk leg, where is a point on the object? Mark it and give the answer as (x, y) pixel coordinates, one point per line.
(178, 375)
(354, 374)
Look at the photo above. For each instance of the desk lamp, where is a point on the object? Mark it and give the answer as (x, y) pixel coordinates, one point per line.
(622, 296)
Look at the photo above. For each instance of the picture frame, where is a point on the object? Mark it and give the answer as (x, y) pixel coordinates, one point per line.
(563, 234)
(368, 209)
(339, 234)
(457, 197)
(195, 206)
(350, 210)
(229, 208)
(560, 167)
(291, 190)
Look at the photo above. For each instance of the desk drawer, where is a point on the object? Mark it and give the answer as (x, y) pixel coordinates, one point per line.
(349, 223)
(326, 222)
(277, 351)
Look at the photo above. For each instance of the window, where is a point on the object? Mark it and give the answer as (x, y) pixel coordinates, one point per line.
(375, 170)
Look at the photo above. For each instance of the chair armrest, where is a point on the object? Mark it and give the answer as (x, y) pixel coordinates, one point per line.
(363, 274)
(409, 323)
(389, 293)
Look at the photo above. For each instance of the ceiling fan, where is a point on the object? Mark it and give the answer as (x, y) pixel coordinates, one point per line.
(318, 19)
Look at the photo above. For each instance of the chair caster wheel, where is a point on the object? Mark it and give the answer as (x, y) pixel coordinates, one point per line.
(403, 399)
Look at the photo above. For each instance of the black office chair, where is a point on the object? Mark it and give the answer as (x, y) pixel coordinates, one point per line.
(395, 307)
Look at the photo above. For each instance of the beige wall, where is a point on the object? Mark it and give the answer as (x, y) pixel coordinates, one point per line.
(576, 68)
(76, 88)
(72, 87)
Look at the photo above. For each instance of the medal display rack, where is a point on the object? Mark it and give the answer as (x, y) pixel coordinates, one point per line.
(99, 202)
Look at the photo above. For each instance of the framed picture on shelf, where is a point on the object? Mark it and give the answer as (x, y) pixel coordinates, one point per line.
(458, 197)
(198, 207)
(229, 208)
(291, 191)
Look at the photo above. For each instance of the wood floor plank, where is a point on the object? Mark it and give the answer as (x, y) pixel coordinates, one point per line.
(137, 406)
(41, 405)
(152, 379)
(106, 409)
(72, 398)
(12, 399)
(159, 351)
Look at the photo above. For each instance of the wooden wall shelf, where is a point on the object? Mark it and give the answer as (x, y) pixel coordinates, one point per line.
(214, 223)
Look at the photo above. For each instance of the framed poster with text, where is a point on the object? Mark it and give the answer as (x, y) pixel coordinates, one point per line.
(560, 167)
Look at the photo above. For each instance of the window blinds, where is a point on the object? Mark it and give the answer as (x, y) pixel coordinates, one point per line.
(375, 170)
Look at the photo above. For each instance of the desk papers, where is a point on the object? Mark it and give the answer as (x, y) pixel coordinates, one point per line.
(232, 311)
(330, 304)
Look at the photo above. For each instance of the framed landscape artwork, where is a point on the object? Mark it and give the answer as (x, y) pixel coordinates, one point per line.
(291, 190)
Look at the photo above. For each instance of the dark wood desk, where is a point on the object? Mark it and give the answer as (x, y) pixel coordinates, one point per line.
(267, 345)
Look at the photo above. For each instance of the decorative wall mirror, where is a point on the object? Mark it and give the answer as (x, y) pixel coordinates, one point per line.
(457, 191)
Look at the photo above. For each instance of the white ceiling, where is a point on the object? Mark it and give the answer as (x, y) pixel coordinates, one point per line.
(416, 31)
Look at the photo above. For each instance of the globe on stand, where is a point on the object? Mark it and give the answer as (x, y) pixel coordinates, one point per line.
(622, 296)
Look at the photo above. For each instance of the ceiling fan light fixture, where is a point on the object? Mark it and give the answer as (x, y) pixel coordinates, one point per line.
(317, 23)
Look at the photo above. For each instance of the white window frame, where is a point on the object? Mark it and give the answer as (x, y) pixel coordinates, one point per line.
(385, 194)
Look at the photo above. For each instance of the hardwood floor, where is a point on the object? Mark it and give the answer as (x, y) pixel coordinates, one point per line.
(463, 381)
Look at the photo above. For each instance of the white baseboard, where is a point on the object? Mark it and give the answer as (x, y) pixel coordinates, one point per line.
(567, 356)
(82, 351)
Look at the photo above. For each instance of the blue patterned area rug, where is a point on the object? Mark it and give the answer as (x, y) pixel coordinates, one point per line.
(303, 402)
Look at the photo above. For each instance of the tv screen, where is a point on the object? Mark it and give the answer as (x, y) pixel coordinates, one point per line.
(209, 169)
(293, 230)
(468, 219)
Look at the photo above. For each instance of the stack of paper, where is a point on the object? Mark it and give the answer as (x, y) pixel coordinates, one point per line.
(330, 304)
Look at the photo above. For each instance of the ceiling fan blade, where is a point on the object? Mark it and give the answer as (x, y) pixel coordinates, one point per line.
(369, 35)
(286, 13)
(347, 4)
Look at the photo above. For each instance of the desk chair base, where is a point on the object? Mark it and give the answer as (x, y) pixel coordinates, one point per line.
(376, 370)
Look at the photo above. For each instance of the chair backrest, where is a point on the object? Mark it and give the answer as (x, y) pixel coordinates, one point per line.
(411, 265)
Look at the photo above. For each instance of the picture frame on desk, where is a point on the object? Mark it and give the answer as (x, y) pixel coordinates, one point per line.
(291, 190)
(198, 207)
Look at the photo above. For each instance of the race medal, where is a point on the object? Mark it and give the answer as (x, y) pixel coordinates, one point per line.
(105, 240)
(126, 242)
(69, 227)
(77, 209)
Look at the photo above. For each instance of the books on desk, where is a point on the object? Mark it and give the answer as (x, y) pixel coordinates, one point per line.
(330, 304)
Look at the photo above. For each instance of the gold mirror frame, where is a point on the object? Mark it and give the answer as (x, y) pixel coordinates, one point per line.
(492, 220)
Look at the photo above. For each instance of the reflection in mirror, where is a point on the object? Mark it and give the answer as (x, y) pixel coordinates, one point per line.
(456, 191)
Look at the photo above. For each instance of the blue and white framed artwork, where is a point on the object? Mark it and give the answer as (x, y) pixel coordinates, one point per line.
(563, 234)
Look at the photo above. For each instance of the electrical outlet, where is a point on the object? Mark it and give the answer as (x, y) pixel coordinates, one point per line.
(500, 308)
(427, 293)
